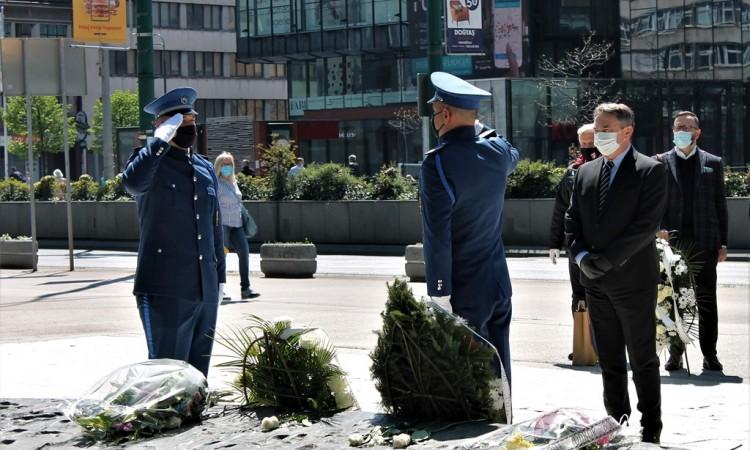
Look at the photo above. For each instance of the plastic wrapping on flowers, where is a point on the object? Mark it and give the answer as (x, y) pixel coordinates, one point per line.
(427, 365)
(141, 399)
(287, 367)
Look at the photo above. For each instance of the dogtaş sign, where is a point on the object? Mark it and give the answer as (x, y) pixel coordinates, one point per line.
(463, 27)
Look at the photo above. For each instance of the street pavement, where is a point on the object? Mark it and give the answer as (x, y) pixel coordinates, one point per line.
(60, 331)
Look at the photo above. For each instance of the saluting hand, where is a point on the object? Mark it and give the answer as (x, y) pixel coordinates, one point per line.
(167, 129)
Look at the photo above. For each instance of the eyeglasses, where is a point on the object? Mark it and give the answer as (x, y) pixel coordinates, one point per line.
(684, 128)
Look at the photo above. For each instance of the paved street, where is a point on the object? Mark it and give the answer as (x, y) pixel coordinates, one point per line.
(60, 331)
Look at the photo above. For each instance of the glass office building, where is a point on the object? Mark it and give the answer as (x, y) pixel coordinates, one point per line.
(355, 62)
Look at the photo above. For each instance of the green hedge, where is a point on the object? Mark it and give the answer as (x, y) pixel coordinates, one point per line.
(534, 179)
(12, 190)
(737, 182)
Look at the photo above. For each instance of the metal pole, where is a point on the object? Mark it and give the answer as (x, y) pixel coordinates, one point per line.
(163, 61)
(2, 91)
(145, 63)
(30, 154)
(66, 149)
(109, 161)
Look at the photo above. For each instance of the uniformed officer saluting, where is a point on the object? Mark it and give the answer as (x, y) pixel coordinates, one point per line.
(180, 255)
(462, 186)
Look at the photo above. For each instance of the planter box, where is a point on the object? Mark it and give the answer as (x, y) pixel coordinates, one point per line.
(18, 254)
(288, 260)
(415, 263)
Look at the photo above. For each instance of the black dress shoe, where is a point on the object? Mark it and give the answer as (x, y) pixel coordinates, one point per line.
(651, 434)
(712, 363)
(249, 293)
(673, 363)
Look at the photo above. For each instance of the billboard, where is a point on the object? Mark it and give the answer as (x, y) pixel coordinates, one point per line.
(463, 27)
(508, 34)
(100, 21)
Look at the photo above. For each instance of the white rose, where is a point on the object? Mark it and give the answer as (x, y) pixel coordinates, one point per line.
(401, 440)
(661, 329)
(269, 423)
(355, 440)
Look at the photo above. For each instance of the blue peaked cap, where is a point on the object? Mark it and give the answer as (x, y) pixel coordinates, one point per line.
(454, 91)
(178, 100)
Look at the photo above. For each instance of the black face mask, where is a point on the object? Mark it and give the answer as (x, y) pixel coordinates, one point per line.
(185, 136)
(590, 154)
(436, 130)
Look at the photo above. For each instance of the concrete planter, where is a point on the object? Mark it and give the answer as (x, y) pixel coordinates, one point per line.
(288, 260)
(414, 266)
(18, 254)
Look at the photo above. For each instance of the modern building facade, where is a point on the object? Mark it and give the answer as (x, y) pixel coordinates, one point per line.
(194, 45)
(354, 62)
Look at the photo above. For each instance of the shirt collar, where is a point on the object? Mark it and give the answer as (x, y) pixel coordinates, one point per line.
(458, 134)
(682, 155)
(618, 161)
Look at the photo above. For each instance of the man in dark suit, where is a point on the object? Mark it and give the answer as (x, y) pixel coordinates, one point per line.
(614, 213)
(696, 217)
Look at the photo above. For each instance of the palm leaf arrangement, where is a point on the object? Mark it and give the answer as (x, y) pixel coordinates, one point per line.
(293, 369)
(427, 365)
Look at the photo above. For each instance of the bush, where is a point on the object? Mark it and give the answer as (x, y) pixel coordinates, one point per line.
(389, 184)
(12, 190)
(85, 189)
(49, 188)
(534, 179)
(736, 183)
(324, 182)
(113, 190)
(254, 188)
(277, 159)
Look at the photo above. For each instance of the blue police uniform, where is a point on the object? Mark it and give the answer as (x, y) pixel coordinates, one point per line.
(180, 254)
(462, 186)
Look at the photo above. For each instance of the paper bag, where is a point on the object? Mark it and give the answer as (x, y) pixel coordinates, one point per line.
(583, 348)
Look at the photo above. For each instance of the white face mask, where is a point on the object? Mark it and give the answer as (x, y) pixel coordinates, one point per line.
(606, 143)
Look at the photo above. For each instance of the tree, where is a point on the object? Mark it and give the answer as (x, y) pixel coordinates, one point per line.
(405, 121)
(124, 114)
(573, 84)
(277, 158)
(46, 125)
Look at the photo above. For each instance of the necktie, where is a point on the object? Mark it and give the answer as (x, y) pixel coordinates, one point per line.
(604, 184)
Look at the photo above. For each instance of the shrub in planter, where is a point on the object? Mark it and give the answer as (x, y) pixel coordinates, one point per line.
(254, 188)
(736, 183)
(359, 189)
(49, 188)
(534, 179)
(389, 184)
(12, 190)
(85, 189)
(113, 190)
(277, 159)
(324, 182)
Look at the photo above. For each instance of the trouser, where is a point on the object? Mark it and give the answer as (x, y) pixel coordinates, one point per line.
(235, 239)
(708, 312)
(178, 328)
(493, 325)
(624, 319)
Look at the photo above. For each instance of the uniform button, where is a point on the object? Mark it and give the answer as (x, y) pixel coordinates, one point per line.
(158, 251)
(200, 237)
(195, 179)
(195, 197)
(200, 257)
(197, 217)
(173, 186)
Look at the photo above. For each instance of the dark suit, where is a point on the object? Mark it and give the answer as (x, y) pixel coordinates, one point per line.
(703, 233)
(622, 301)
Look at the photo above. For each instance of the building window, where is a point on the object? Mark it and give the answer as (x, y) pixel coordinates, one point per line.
(230, 18)
(729, 54)
(24, 29)
(166, 15)
(205, 64)
(203, 17)
(724, 13)
(703, 16)
(122, 63)
(276, 70)
(171, 59)
(53, 30)
(705, 56)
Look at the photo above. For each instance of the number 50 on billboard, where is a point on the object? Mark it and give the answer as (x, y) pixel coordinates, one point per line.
(100, 21)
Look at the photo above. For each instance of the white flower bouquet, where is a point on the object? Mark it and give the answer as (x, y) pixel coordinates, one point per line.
(141, 399)
(676, 305)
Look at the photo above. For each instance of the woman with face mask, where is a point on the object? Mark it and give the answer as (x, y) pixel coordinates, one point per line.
(230, 204)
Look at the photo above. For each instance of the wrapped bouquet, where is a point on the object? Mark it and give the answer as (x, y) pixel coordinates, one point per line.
(141, 400)
(676, 305)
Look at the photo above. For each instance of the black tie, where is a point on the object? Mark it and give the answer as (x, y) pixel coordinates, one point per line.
(604, 184)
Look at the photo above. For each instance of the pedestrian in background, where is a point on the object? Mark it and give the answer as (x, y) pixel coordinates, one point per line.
(180, 253)
(614, 213)
(696, 218)
(230, 202)
(353, 165)
(57, 173)
(298, 167)
(16, 175)
(246, 170)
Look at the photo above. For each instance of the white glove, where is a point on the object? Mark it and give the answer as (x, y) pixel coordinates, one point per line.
(443, 303)
(221, 291)
(553, 255)
(168, 129)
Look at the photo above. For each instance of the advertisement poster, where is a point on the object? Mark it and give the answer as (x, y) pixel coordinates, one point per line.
(100, 21)
(508, 34)
(417, 17)
(463, 27)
